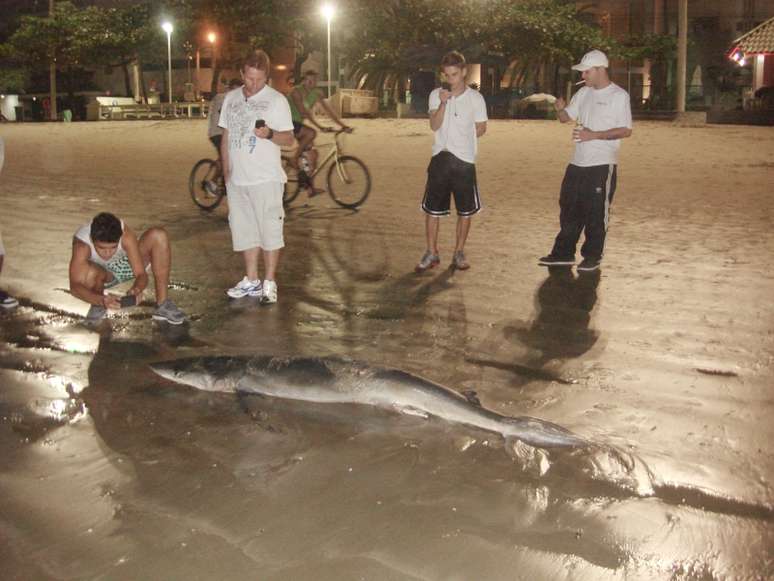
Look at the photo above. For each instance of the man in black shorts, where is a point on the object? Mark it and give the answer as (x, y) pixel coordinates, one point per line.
(458, 118)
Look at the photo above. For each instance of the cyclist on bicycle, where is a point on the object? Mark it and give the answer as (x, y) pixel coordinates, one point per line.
(302, 100)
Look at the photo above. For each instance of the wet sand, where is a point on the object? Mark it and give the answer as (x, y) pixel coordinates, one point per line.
(663, 359)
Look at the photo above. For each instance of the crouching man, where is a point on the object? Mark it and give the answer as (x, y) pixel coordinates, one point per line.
(106, 252)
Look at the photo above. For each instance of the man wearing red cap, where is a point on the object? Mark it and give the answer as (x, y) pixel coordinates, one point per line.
(602, 113)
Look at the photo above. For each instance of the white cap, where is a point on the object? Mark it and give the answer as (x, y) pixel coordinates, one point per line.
(594, 58)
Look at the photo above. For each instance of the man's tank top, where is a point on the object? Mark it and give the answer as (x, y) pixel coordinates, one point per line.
(84, 235)
(309, 99)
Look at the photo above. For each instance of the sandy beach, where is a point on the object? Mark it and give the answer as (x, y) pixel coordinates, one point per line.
(664, 359)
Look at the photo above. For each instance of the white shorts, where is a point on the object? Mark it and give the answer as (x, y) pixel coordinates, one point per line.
(256, 216)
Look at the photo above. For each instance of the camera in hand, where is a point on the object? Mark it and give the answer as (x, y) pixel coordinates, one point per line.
(446, 86)
(128, 301)
(260, 123)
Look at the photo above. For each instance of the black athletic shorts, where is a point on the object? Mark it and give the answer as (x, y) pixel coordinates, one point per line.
(216, 139)
(447, 175)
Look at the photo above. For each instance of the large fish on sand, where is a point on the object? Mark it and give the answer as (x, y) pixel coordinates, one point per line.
(333, 380)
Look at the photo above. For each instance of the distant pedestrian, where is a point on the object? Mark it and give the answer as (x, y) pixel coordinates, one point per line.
(256, 122)
(458, 118)
(214, 131)
(6, 301)
(603, 117)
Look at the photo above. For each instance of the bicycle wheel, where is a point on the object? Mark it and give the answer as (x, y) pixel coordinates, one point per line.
(206, 184)
(349, 181)
(292, 187)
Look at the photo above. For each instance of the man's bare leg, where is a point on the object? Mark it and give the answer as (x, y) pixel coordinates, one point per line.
(270, 262)
(156, 251)
(432, 224)
(430, 257)
(305, 138)
(251, 262)
(463, 228)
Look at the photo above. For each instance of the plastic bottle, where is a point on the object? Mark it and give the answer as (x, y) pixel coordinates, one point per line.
(576, 130)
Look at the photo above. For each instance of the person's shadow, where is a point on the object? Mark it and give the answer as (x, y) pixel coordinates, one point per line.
(560, 328)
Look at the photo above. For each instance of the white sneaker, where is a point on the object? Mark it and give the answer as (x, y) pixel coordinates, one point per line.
(245, 288)
(269, 292)
(7, 301)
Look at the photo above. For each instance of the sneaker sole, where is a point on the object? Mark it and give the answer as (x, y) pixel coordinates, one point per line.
(456, 266)
(556, 263)
(588, 268)
(418, 269)
(243, 295)
(171, 322)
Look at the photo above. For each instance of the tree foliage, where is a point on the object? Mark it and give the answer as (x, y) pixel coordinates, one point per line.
(396, 37)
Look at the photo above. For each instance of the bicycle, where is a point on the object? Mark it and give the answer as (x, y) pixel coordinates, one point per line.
(348, 178)
(206, 184)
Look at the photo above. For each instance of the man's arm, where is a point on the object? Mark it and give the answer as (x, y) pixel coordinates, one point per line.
(480, 128)
(436, 117)
(132, 248)
(609, 134)
(280, 138)
(283, 138)
(561, 114)
(224, 156)
(331, 113)
(79, 272)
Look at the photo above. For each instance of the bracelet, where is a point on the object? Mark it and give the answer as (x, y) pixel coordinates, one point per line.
(271, 133)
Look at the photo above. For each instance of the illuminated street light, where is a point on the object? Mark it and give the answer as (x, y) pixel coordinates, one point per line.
(328, 11)
(211, 38)
(168, 28)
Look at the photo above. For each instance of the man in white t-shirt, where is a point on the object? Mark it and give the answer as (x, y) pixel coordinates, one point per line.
(256, 122)
(458, 118)
(603, 117)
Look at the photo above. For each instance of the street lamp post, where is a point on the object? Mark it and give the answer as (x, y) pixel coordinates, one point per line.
(327, 12)
(211, 37)
(168, 28)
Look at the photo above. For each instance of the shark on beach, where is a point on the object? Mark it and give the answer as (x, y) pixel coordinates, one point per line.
(333, 380)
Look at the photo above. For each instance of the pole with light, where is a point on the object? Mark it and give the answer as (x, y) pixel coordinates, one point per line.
(327, 12)
(168, 28)
(212, 37)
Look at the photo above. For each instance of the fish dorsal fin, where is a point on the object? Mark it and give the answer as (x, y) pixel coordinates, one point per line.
(472, 397)
(411, 411)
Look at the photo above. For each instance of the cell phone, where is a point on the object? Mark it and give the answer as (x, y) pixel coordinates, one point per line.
(446, 86)
(260, 123)
(128, 301)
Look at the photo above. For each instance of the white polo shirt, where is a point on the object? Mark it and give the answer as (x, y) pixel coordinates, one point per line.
(599, 110)
(457, 133)
(254, 160)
